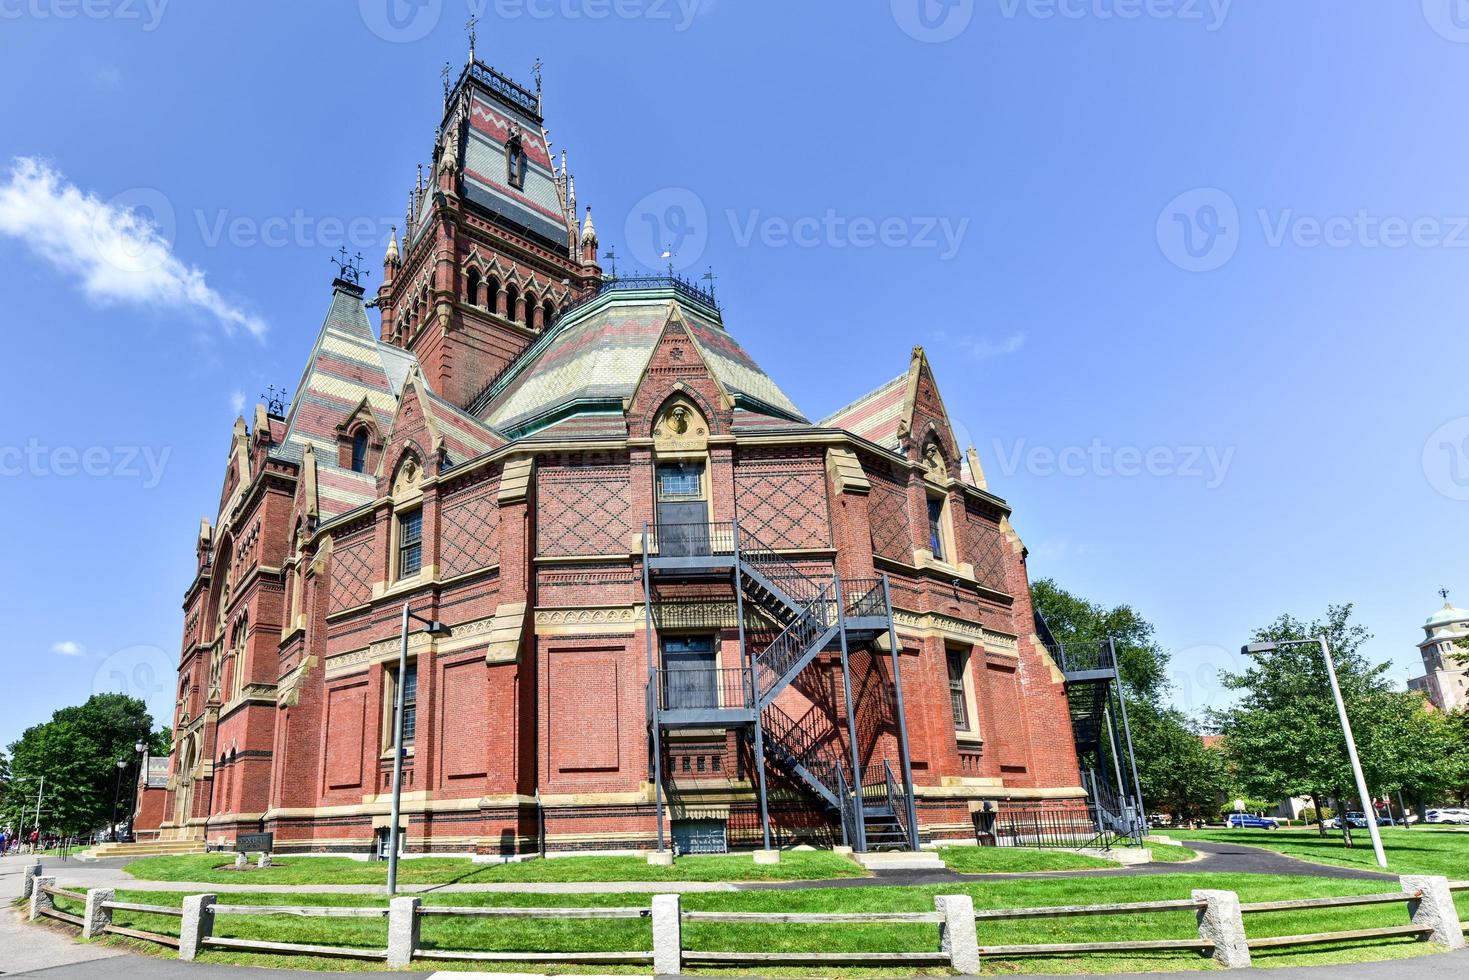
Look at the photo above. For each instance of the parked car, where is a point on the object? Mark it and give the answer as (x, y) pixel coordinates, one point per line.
(1448, 815)
(1358, 821)
(1250, 821)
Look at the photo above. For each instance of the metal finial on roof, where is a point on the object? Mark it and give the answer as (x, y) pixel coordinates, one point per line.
(275, 401)
(469, 25)
(709, 277)
(444, 74)
(1445, 593)
(349, 268)
(536, 70)
(612, 262)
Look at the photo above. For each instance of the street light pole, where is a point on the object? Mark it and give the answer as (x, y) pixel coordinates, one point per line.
(1368, 810)
(435, 628)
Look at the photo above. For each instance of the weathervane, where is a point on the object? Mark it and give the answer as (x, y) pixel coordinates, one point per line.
(612, 261)
(275, 401)
(1444, 592)
(469, 26)
(444, 73)
(709, 277)
(349, 268)
(536, 69)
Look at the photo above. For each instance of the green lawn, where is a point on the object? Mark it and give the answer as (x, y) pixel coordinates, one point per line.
(1417, 851)
(1171, 853)
(992, 860)
(542, 934)
(219, 868)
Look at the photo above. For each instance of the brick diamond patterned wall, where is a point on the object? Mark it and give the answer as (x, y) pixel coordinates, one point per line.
(888, 513)
(470, 523)
(352, 575)
(584, 510)
(984, 547)
(782, 499)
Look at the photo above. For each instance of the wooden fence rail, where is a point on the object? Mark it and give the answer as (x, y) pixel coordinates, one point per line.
(1220, 919)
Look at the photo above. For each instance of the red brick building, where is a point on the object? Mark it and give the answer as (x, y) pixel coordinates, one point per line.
(672, 597)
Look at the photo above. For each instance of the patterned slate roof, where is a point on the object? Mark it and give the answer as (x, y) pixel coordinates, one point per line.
(347, 365)
(536, 206)
(875, 416)
(465, 436)
(593, 360)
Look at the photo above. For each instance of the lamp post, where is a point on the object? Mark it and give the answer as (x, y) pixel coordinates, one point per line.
(1368, 810)
(435, 628)
(116, 794)
(140, 748)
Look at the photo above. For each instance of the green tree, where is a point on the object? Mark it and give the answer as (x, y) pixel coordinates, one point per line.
(1178, 774)
(76, 754)
(1284, 734)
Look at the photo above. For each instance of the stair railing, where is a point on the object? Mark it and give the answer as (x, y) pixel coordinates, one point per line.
(801, 742)
(763, 558)
(793, 642)
(900, 813)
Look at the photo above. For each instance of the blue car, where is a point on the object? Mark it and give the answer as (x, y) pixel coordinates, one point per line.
(1249, 820)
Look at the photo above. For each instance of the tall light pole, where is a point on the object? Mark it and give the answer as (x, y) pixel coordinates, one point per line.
(435, 628)
(1368, 810)
(116, 795)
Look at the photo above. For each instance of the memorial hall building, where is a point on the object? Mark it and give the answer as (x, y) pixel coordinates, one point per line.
(676, 611)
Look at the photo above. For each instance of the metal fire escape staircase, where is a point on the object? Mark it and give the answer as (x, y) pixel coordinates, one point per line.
(811, 614)
(1093, 686)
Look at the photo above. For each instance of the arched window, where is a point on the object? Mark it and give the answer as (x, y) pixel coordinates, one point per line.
(492, 294)
(471, 292)
(530, 309)
(512, 297)
(359, 450)
(548, 313)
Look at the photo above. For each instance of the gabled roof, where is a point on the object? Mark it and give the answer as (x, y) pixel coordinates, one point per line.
(876, 416)
(590, 364)
(464, 436)
(347, 367)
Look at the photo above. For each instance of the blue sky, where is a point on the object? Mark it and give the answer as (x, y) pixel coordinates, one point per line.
(1192, 274)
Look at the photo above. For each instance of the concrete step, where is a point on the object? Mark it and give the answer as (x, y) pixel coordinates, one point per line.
(149, 849)
(900, 861)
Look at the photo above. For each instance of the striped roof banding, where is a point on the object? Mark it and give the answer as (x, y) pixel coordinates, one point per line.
(592, 362)
(347, 366)
(876, 416)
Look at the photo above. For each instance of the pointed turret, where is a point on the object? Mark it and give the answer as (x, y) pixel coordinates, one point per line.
(589, 240)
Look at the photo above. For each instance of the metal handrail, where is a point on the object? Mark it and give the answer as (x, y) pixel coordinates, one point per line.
(701, 538)
(899, 813)
(765, 559)
(694, 688)
(797, 638)
(864, 597)
(802, 742)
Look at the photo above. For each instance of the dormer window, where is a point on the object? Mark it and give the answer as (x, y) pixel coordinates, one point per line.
(359, 451)
(515, 162)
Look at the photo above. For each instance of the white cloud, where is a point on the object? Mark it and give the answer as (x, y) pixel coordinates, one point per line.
(983, 348)
(237, 401)
(119, 249)
(67, 648)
